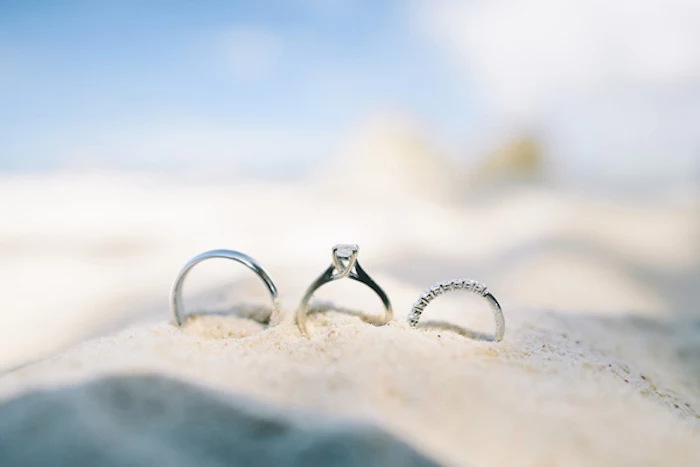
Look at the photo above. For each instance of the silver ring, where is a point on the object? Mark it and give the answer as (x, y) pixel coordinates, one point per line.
(250, 263)
(344, 265)
(459, 284)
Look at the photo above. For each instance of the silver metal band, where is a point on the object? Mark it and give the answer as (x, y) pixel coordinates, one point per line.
(344, 265)
(454, 285)
(250, 263)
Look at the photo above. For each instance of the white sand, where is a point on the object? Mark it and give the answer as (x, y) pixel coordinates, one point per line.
(599, 365)
(560, 390)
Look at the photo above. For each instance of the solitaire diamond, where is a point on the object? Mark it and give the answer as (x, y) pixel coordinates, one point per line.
(345, 251)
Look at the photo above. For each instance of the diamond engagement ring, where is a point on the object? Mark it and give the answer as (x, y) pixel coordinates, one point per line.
(250, 263)
(467, 286)
(344, 265)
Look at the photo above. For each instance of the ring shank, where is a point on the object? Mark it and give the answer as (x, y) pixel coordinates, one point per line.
(498, 315)
(176, 291)
(327, 276)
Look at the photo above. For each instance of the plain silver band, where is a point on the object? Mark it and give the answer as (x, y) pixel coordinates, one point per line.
(456, 285)
(328, 275)
(250, 263)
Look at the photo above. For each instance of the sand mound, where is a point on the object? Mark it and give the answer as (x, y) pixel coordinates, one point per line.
(559, 390)
(609, 376)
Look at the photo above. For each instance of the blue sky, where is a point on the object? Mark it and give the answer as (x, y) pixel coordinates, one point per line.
(77, 77)
(611, 89)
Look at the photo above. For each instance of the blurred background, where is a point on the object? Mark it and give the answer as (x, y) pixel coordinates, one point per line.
(550, 149)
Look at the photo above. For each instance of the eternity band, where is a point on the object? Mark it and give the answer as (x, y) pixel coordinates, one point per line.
(466, 285)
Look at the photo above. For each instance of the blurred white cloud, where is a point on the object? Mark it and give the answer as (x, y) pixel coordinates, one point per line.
(251, 54)
(613, 83)
(200, 148)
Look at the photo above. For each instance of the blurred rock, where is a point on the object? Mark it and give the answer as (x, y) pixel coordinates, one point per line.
(389, 157)
(517, 158)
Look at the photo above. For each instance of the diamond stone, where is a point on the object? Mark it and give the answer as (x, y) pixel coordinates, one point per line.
(345, 251)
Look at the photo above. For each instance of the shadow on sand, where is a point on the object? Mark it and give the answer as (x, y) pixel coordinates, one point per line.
(152, 420)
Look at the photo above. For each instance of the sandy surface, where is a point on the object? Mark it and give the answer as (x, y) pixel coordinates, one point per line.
(599, 365)
(560, 390)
